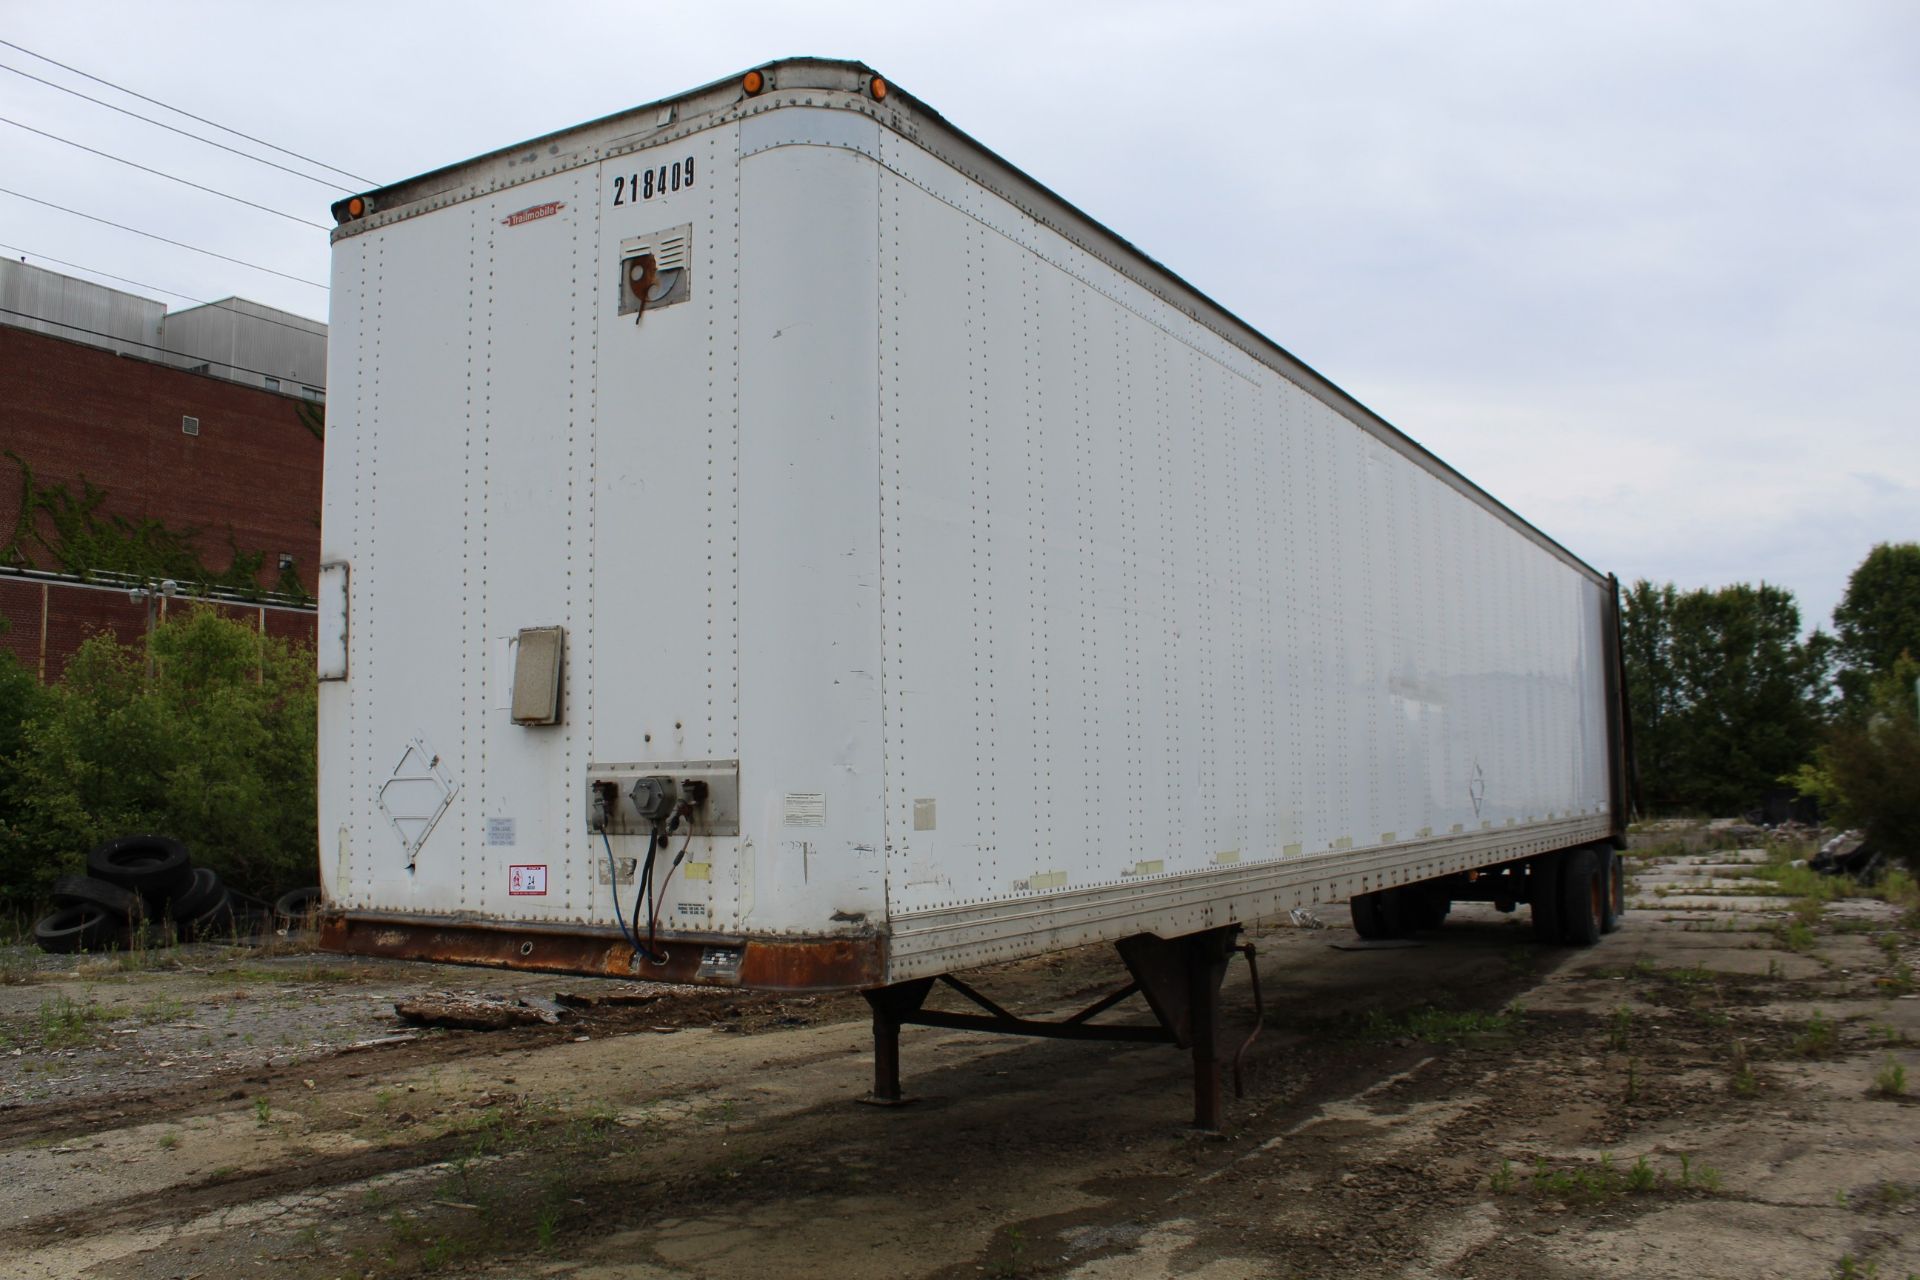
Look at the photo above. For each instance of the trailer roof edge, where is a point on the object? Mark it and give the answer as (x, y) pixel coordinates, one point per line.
(924, 125)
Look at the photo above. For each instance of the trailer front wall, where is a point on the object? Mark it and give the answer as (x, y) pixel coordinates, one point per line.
(1161, 624)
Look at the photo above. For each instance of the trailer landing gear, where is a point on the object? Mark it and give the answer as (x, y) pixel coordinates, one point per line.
(1180, 978)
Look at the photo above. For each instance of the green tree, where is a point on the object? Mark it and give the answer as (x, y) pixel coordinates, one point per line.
(1646, 643)
(21, 702)
(1877, 621)
(1726, 695)
(217, 750)
(1867, 771)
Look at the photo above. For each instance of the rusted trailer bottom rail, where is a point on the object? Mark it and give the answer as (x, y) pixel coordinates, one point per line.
(765, 964)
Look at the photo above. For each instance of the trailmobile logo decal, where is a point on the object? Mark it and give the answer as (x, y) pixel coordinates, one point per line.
(533, 213)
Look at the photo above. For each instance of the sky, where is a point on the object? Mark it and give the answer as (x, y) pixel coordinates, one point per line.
(1649, 273)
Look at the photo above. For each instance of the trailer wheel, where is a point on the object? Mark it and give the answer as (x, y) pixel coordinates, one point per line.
(1616, 895)
(1543, 895)
(1430, 906)
(1382, 914)
(1583, 896)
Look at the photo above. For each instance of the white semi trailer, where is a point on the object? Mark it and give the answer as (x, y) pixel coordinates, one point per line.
(770, 540)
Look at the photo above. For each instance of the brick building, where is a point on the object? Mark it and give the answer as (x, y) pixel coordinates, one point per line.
(204, 441)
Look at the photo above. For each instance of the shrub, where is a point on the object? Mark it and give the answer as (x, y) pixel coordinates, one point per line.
(215, 749)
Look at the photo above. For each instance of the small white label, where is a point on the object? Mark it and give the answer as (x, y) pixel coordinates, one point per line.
(624, 866)
(806, 809)
(500, 832)
(923, 814)
(527, 881)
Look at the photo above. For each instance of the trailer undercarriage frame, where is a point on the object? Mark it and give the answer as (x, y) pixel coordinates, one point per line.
(1180, 979)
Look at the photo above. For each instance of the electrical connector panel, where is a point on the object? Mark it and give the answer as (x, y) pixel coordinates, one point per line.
(707, 791)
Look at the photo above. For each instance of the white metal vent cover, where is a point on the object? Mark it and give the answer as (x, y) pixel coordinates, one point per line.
(415, 796)
(672, 254)
(189, 426)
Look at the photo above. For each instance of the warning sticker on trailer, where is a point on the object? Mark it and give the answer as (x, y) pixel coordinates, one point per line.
(806, 809)
(500, 831)
(527, 881)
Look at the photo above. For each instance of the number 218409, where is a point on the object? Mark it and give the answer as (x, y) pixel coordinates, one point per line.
(632, 188)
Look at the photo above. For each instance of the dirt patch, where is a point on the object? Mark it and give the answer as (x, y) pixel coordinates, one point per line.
(1690, 1098)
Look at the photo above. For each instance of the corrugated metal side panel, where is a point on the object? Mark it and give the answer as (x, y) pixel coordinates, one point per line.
(48, 302)
(1170, 640)
(248, 342)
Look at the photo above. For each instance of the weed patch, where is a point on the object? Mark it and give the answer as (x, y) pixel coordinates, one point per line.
(1438, 1026)
(1818, 1039)
(61, 1023)
(1598, 1183)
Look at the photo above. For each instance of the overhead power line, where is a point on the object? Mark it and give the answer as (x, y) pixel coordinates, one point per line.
(135, 342)
(369, 182)
(19, 195)
(171, 177)
(141, 284)
(162, 124)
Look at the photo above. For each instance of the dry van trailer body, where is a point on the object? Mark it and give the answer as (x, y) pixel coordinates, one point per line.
(769, 540)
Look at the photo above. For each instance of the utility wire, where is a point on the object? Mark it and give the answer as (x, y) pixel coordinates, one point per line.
(188, 114)
(141, 284)
(185, 133)
(171, 177)
(151, 236)
(134, 342)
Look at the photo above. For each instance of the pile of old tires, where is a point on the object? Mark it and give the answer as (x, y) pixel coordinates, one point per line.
(139, 889)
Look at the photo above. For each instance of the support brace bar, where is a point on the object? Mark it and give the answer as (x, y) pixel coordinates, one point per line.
(1180, 978)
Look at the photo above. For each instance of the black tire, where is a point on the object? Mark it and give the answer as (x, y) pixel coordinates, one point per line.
(155, 867)
(85, 927)
(203, 892)
(1381, 915)
(291, 909)
(1616, 899)
(1583, 893)
(217, 921)
(76, 891)
(1543, 895)
(1429, 906)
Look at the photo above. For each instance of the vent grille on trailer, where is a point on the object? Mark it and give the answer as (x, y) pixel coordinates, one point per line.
(669, 250)
(189, 426)
(671, 280)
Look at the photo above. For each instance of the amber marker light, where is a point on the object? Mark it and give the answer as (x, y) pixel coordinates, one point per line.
(753, 82)
(357, 207)
(878, 88)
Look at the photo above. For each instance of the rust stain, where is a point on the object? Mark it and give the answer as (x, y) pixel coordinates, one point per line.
(764, 964)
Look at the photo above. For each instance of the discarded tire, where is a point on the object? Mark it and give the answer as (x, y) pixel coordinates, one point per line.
(80, 891)
(156, 867)
(217, 919)
(291, 909)
(86, 926)
(203, 893)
